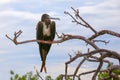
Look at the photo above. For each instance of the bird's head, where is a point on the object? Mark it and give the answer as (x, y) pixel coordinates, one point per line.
(47, 19)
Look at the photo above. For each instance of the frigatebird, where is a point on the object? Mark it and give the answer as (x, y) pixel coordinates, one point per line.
(45, 31)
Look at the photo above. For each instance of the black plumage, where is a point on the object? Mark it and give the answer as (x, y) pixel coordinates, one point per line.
(45, 31)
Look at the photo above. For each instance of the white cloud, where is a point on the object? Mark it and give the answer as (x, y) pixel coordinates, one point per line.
(3, 52)
(103, 14)
(19, 14)
(101, 7)
(5, 1)
(90, 3)
(12, 16)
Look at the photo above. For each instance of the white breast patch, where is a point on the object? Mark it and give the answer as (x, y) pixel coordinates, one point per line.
(46, 30)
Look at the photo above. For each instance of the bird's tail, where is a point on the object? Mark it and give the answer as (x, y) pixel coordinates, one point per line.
(43, 67)
(43, 57)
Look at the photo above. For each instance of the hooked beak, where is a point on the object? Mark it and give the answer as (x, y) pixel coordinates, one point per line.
(54, 18)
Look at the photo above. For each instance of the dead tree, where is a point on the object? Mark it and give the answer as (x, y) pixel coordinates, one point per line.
(89, 55)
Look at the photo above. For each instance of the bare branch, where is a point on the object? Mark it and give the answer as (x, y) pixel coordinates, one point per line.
(87, 72)
(74, 20)
(79, 18)
(38, 73)
(102, 32)
(78, 67)
(17, 34)
(70, 56)
(98, 69)
(113, 67)
(106, 42)
(64, 37)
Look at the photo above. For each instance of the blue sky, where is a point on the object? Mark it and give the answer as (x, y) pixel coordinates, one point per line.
(24, 15)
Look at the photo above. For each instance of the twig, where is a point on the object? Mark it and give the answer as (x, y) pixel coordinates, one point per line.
(87, 72)
(70, 56)
(102, 32)
(98, 69)
(106, 42)
(85, 24)
(38, 73)
(75, 72)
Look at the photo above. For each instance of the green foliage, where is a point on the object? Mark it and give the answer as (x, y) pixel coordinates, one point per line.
(48, 78)
(68, 78)
(59, 77)
(12, 72)
(116, 71)
(27, 76)
(31, 76)
(104, 75)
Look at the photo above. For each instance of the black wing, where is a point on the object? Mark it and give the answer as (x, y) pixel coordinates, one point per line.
(39, 28)
(39, 36)
(53, 30)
